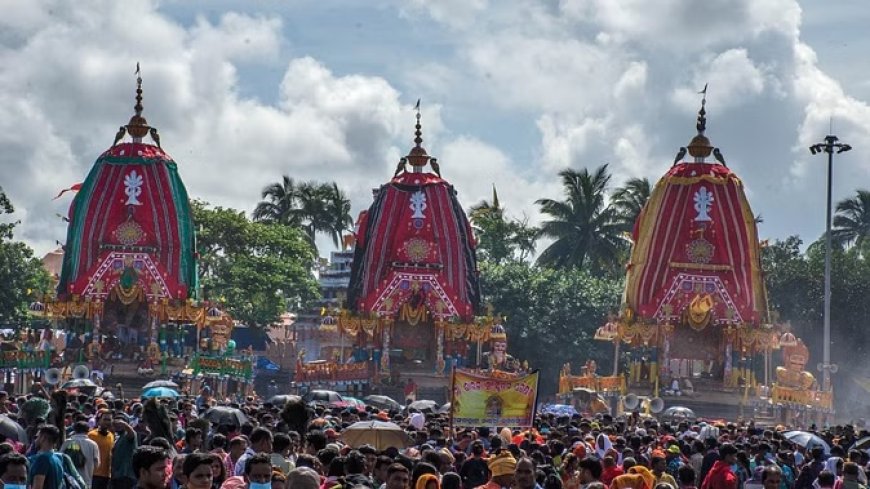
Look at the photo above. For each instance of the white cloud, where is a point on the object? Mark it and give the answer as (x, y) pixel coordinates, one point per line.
(59, 114)
(597, 81)
(734, 79)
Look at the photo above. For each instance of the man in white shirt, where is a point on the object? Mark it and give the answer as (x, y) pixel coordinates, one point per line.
(79, 442)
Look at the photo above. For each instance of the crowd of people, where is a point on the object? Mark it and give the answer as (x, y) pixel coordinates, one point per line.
(78, 442)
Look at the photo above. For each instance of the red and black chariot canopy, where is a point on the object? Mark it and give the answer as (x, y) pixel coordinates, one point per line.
(415, 245)
(130, 225)
(696, 257)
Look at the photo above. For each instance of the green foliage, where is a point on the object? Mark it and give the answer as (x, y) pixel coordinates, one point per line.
(311, 206)
(795, 283)
(21, 274)
(551, 314)
(629, 200)
(501, 239)
(852, 221)
(587, 233)
(255, 268)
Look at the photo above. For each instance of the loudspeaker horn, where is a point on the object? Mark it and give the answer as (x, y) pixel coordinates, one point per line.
(81, 372)
(656, 405)
(52, 376)
(631, 402)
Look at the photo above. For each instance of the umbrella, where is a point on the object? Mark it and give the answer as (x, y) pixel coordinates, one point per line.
(11, 429)
(160, 383)
(559, 409)
(78, 384)
(424, 405)
(862, 444)
(160, 392)
(219, 415)
(444, 409)
(321, 396)
(350, 402)
(282, 399)
(383, 402)
(678, 413)
(379, 434)
(806, 440)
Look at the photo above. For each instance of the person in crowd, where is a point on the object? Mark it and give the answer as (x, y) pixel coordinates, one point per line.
(355, 468)
(686, 477)
(281, 446)
(103, 436)
(149, 463)
(720, 475)
(176, 475)
(589, 471)
(197, 472)
(258, 471)
(261, 442)
(303, 478)
(219, 471)
(474, 471)
(13, 471)
(126, 441)
(84, 452)
(192, 440)
(771, 477)
(810, 472)
(46, 468)
(398, 477)
(502, 467)
(659, 469)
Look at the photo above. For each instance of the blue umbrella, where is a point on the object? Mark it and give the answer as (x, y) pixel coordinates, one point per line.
(160, 392)
(806, 440)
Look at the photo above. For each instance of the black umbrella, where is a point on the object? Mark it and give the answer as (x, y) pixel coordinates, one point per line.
(11, 429)
(282, 399)
(383, 402)
(322, 396)
(219, 415)
(862, 444)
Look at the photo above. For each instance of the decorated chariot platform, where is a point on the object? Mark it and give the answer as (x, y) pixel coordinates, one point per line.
(128, 285)
(413, 300)
(694, 323)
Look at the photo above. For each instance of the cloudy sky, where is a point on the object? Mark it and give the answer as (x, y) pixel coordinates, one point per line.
(513, 91)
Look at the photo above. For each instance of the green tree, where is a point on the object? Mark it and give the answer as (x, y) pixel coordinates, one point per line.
(629, 200)
(314, 207)
(852, 221)
(551, 314)
(279, 204)
(22, 275)
(795, 285)
(499, 238)
(255, 268)
(586, 232)
(338, 209)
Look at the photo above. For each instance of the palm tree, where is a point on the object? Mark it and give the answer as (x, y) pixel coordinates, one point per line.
(314, 207)
(629, 200)
(852, 220)
(338, 208)
(584, 229)
(279, 204)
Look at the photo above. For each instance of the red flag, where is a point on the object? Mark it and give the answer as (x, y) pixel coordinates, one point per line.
(74, 188)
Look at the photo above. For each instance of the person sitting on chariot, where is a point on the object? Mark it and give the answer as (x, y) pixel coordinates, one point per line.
(674, 389)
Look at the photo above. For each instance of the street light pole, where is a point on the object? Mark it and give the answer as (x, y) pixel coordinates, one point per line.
(830, 145)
